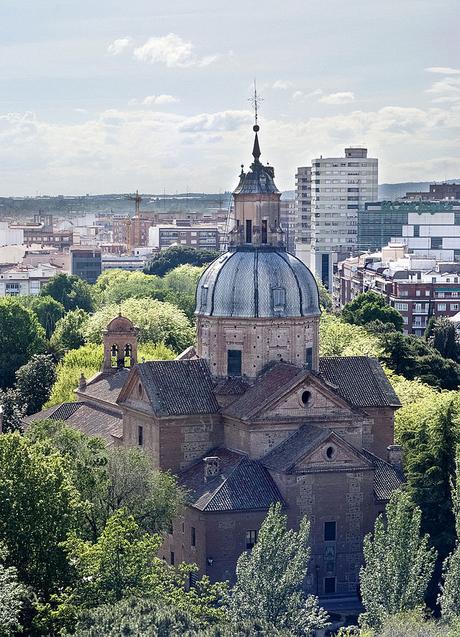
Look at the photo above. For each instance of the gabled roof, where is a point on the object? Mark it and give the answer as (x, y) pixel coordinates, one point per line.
(93, 420)
(232, 386)
(242, 485)
(106, 387)
(178, 387)
(265, 387)
(360, 380)
(387, 477)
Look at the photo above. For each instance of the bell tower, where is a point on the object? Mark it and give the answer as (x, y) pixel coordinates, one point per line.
(120, 344)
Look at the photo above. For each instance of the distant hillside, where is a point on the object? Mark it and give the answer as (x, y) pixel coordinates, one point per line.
(393, 191)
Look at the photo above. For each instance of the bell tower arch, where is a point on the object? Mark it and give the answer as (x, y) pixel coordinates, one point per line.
(120, 344)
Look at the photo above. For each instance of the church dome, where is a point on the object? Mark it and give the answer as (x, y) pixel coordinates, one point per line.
(264, 282)
(120, 324)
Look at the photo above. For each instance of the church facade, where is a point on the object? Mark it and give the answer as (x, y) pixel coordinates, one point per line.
(253, 415)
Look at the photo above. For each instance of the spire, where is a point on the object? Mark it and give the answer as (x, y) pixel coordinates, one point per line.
(256, 149)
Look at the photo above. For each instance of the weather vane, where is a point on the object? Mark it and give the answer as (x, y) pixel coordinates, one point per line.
(255, 101)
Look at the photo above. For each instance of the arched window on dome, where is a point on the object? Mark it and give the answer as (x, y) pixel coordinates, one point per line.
(128, 355)
(114, 355)
(279, 299)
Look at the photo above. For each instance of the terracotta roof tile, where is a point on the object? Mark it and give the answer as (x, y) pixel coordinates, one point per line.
(242, 485)
(360, 380)
(179, 387)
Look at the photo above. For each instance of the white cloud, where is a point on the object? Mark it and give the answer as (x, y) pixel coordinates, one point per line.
(300, 95)
(443, 70)
(204, 150)
(343, 97)
(223, 121)
(118, 46)
(445, 90)
(172, 51)
(159, 99)
(282, 85)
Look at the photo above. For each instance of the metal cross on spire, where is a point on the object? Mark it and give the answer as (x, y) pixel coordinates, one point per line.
(255, 101)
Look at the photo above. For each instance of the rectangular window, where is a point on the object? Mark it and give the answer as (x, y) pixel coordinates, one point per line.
(251, 539)
(279, 299)
(264, 231)
(329, 585)
(248, 231)
(193, 536)
(330, 531)
(416, 231)
(234, 362)
(140, 436)
(401, 306)
(309, 358)
(441, 307)
(454, 306)
(171, 558)
(417, 292)
(436, 243)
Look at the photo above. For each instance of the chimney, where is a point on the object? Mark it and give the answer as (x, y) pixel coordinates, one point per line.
(211, 467)
(82, 382)
(395, 456)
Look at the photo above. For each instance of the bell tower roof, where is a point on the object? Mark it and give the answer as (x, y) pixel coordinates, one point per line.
(259, 179)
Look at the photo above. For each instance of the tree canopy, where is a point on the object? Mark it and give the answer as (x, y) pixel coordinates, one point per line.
(69, 290)
(21, 336)
(46, 309)
(158, 322)
(370, 306)
(179, 255)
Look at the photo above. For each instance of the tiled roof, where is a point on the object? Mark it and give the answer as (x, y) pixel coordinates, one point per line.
(179, 387)
(86, 417)
(285, 455)
(242, 485)
(387, 477)
(360, 380)
(108, 387)
(271, 381)
(232, 386)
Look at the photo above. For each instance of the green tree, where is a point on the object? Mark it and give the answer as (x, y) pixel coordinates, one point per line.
(370, 306)
(158, 322)
(69, 290)
(443, 338)
(325, 298)
(21, 336)
(115, 286)
(269, 579)
(39, 506)
(112, 478)
(180, 287)
(179, 255)
(123, 563)
(449, 598)
(13, 410)
(46, 309)
(428, 430)
(69, 331)
(34, 382)
(12, 597)
(398, 563)
(338, 338)
(88, 360)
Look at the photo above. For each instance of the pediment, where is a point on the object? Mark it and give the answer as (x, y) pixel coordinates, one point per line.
(134, 391)
(331, 453)
(308, 397)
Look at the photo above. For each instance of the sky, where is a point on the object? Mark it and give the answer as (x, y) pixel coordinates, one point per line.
(116, 95)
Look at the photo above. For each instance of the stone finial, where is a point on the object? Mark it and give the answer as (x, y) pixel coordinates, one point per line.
(211, 467)
(82, 382)
(395, 455)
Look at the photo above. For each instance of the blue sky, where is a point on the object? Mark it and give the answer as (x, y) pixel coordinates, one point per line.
(111, 96)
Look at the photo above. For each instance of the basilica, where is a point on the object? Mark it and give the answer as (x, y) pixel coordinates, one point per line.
(253, 415)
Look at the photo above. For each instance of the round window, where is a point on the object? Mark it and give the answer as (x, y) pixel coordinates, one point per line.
(330, 452)
(305, 398)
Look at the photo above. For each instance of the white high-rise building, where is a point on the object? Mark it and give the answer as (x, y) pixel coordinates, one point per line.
(303, 214)
(339, 188)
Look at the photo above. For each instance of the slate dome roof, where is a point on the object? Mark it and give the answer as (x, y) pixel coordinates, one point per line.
(257, 282)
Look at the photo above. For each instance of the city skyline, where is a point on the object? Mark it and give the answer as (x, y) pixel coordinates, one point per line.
(94, 99)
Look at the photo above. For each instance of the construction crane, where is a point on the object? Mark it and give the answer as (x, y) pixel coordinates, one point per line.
(137, 199)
